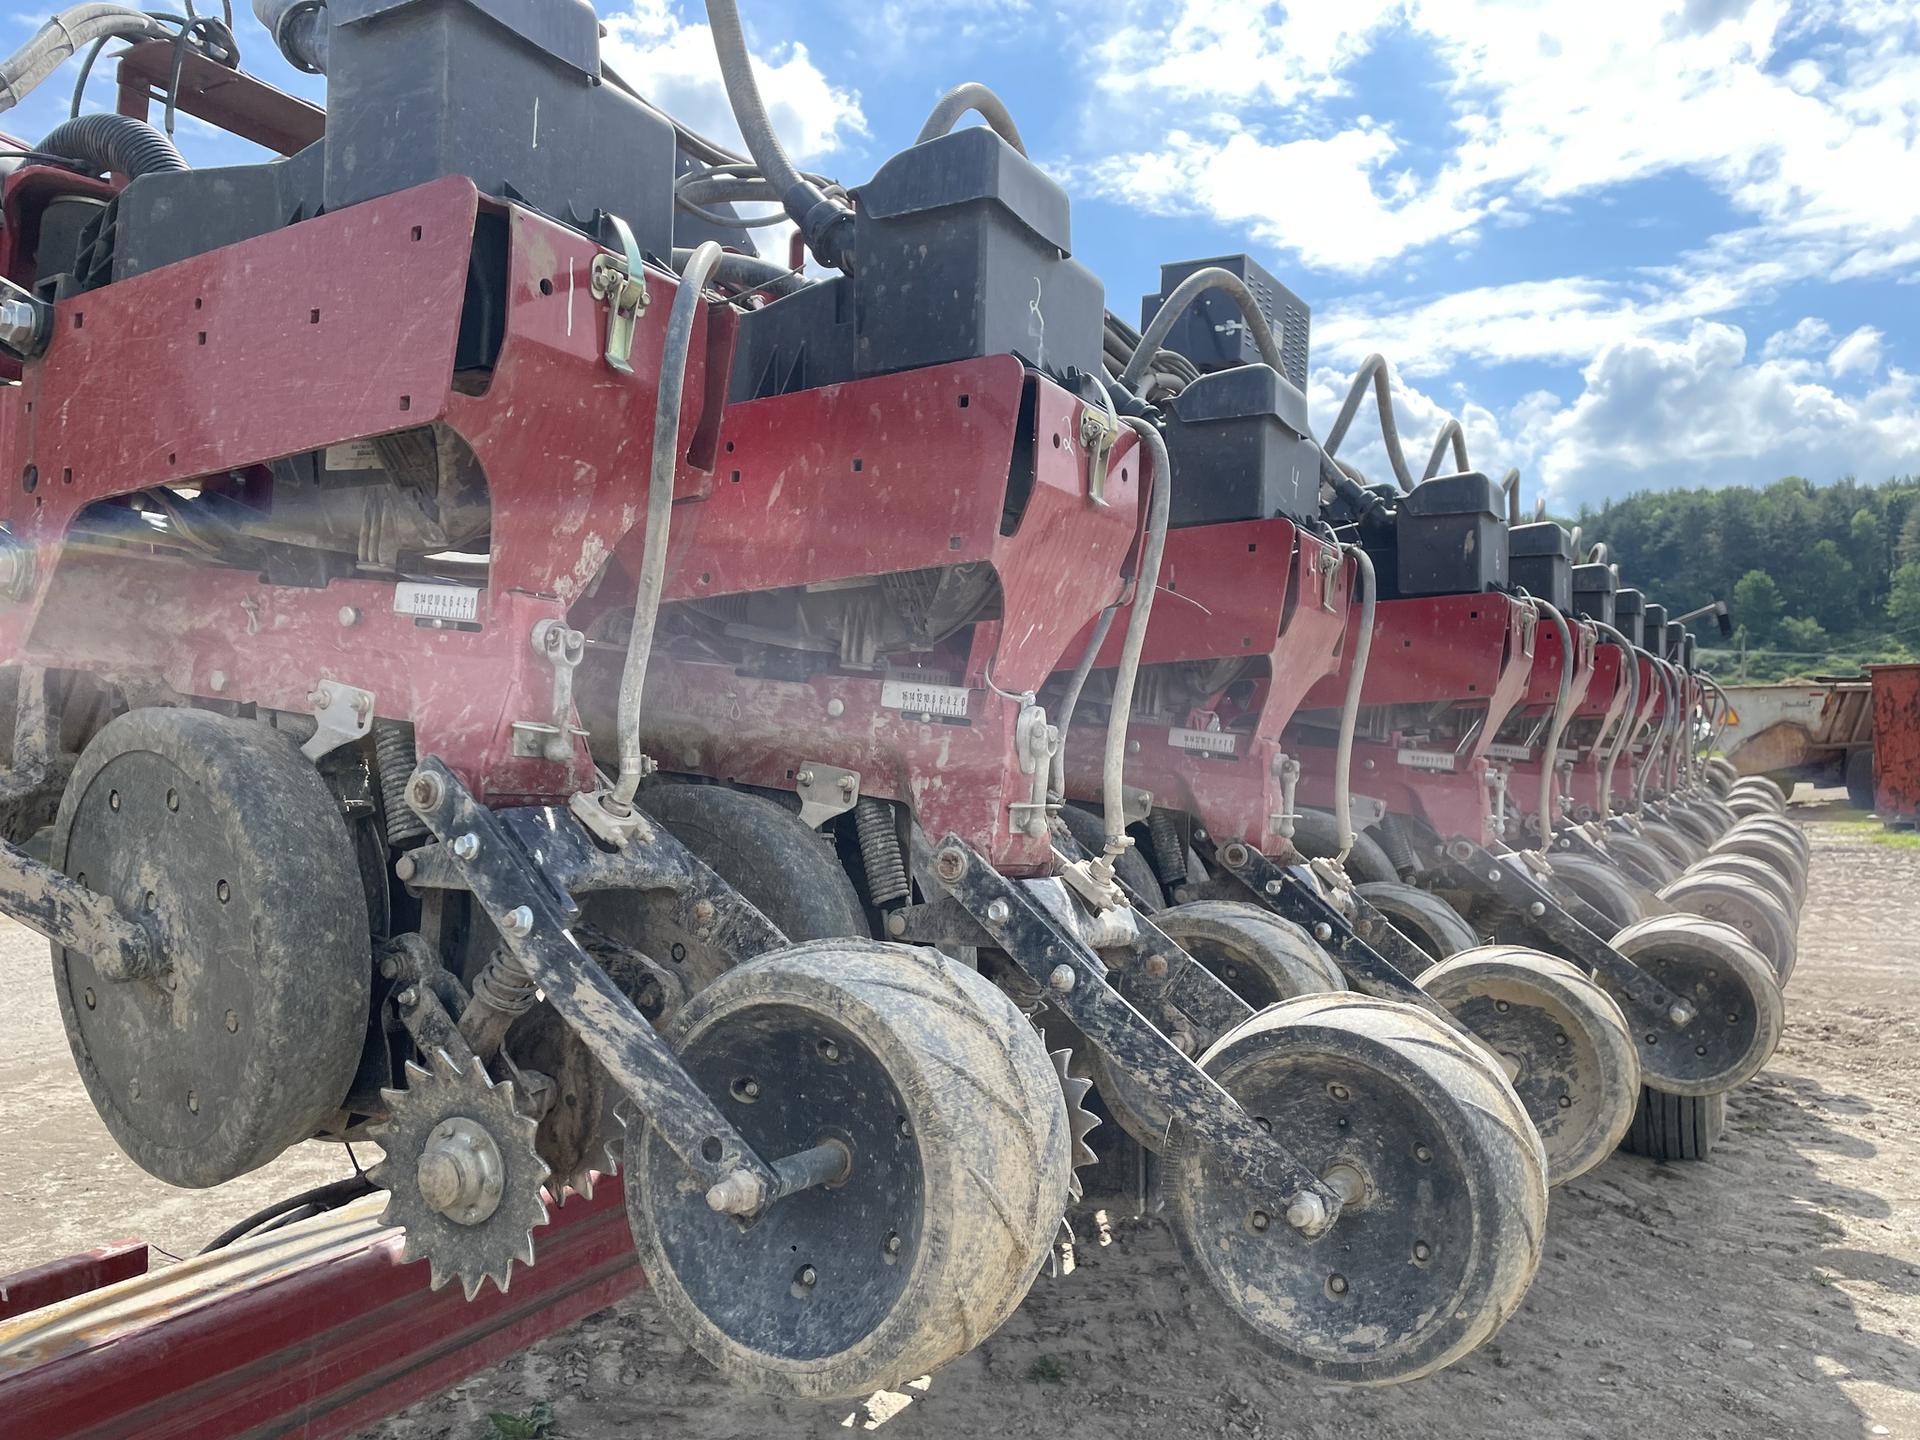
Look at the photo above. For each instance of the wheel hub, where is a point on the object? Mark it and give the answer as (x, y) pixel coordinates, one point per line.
(460, 1173)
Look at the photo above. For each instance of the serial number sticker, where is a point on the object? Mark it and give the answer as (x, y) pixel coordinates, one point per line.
(946, 700)
(1207, 742)
(436, 602)
(1510, 752)
(354, 455)
(1425, 759)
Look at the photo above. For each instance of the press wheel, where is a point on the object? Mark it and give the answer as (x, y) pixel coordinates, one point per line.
(1644, 853)
(1421, 916)
(1679, 847)
(960, 1138)
(1602, 886)
(1561, 1040)
(1778, 886)
(1446, 1232)
(223, 838)
(1739, 1012)
(1739, 902)
(1259, 956)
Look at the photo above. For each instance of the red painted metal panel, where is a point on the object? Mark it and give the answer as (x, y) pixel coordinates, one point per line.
(329, 1338)
(1896, 741)
(59, 1280)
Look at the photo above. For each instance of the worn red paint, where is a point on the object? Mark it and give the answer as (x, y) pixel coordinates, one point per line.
(1896, 742)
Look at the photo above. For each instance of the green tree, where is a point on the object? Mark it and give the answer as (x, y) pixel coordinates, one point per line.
(1757, 604)
(1803, 634)
(1903, 599)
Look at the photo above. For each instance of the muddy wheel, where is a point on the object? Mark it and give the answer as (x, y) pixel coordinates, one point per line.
(960, 1139)
(223, 837)
(1696, 827)
(1423, 917)
(1561, 1040)
(1747, 804)
(1782, 829)
(1679, 847)
(1446, 1233)
(1761, 787)
(1731, 987)
(1601, 886)
(1676, 1127)
(1259, 956)
(1722, 818)
(1136, 873)
(1768, 850)
(1777, 885)
(1647, 855)
(1736, 901)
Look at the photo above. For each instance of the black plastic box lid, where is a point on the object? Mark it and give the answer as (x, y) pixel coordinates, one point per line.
(1629, 602)
(1247, 390)
(963, 168)
(1468, 493)
(1596, 579)
(1543, 538)
(1656, 621)
(1676, 639)
(568, 30)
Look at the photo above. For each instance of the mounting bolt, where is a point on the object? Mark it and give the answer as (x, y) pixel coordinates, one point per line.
(950, 864)
(1156, 966)
(404, 868)
(1493, 877)
(740, 1192)
(320, 696)
(896, 923)
(998, 911)
(1274, 887)
(1308, 1213)
(1061, 980)
(349, 616)
(1323, 932)
(836, 707)
(389, 968)
(217, 681)
(407, 998)
(804, 778)
(465, 847)
(1537, 909)
(1680, 1015)
(424, 791)
(517, 922)
(703, 912)
(846, 786)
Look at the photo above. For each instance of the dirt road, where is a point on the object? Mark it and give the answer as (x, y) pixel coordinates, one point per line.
(1772, 1293)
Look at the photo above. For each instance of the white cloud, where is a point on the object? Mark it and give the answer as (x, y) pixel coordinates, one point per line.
(1808, 335)
(671, 61)
(1859, 351)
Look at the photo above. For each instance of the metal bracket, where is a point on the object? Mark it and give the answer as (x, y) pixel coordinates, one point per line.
(78, 919)
(825, 791)
(26, 323)
(553, 739)
(1075, 981)
(1099, 430)
(1571, 927)
(1034, 743)
(621, 281)
(342, 714)
(1329, 580)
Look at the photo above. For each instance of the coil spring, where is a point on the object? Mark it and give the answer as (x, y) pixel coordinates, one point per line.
(880, 852)
(1393, 839)
(395, 757)
(1169, 853)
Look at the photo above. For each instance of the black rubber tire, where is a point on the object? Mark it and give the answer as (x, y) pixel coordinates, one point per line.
(1737, 901)
(1423, 917)
(1090, 833)
(982, 1127)
(1679, 847)
(1487, 1178)
(1768, 850)
(1259, 956)
(1317, 837)
(1777, 883)
(1714, 967)
(1763, 786)
(1559, 1037)
(1693, 825)
(1647, 855)
(1860, 782)
(251, 1041)
(1676, 1127)
(1602, 886)
(1782, 829)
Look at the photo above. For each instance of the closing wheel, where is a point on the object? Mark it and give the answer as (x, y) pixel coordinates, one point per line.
(1682, 849)
(1261, 957)
(1601, 886)
(1424, 918)
(1777, 886)
(223, 837)
(1782, 829)
(960, 1139)
(1449, 1184)
(1736, 901)
(1561, 1039)
(1641, 851)
(1695, 826)
(1762, 787)
(1676, 1127)
(1750, 804)
(1738, 1010)
(1768, 851)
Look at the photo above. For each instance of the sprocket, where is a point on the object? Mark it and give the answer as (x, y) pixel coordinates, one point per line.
(1080, 1120)
(462, 1174)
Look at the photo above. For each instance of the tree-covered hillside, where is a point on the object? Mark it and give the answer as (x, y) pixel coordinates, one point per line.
(1819, 577)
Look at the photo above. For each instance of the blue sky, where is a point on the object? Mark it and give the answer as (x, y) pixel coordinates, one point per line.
(1632, 244)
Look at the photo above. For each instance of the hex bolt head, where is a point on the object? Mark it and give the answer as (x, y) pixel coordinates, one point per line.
(1259, 1221)
(739, 1192)
(424, 791)
(1274, 887)
(217, 681)
(349, 616)
(1308, 1213)
(1156, 966)
(999, 912)
(1680, 1015)
(846, 785)
(804, 778)
(1537, 909)
(466, 846)
(405, 867)
(1323, 932)
(703, 912)
(1061, 980)
(407, 998)
(517, 922)
(896, 923)
(1493, 877)
(950, 864)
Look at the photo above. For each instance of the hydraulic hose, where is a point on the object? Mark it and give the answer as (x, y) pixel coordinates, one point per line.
(1374, 369)
(982, 101)
(1350, 708)
(826, 225)
(664, 464)
(299, 31)
(106, 141)
(1114, 765)
(1630, 668)
(1510, 486)
(1175, 305)
(64, 36)
(740, 273)
(1556, 724)
(1598, 554)
(1658, 740)
(1450, 434)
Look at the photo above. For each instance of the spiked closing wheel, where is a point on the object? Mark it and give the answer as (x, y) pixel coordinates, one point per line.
(1080, 1120)
(1442, 1179)
(461, 1172)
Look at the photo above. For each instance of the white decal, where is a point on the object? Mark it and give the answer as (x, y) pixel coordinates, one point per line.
(947, 700)
(1207, 742)
(437, 602)
(1426, 759)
